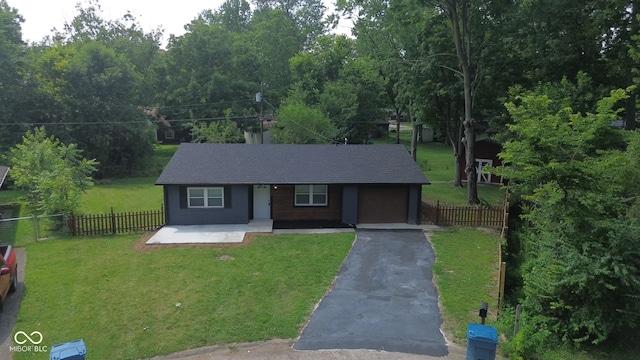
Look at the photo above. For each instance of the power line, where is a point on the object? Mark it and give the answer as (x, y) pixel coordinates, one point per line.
(246, 118)
(185, 106)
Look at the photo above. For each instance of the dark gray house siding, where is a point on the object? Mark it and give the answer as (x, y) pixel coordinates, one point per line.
(235, 211)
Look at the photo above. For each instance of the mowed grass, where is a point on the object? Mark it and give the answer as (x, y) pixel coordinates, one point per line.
(446, 193)
(438, 163)
(466, 273)
(127, 304)
(123, 195)
(128, 194)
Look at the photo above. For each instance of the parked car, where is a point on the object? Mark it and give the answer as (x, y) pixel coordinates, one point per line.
(8, 272)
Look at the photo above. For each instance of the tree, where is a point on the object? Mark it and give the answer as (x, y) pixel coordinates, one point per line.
(459, 12)
(576, 175)
(53, 174)
(307, 16)
(92, 91)
(300, 124)
(219, 132)
(13, 90)
(346, 87)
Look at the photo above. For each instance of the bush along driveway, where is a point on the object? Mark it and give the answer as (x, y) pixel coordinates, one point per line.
(383, 298)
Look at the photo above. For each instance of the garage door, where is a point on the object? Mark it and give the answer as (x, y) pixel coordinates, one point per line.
(383, 204)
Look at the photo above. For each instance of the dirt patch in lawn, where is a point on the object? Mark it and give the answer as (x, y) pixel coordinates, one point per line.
(141, 247)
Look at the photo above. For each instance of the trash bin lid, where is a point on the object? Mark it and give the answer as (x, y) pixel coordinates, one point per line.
(482, 332)
(71, 350)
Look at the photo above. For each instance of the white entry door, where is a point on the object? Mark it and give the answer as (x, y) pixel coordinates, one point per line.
(480, 164)
(261, 202)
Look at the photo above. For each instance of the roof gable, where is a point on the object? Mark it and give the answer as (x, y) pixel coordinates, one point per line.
(209, 164)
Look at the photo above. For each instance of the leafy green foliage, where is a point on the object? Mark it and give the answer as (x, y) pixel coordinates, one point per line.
(14, 91)
(220, 132)
(345, 87)
(581, 278)
(300, 124)
(53, 174)
(92, 91)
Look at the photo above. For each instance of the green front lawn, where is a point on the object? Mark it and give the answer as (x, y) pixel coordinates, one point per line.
(466, 273)
(127, 304)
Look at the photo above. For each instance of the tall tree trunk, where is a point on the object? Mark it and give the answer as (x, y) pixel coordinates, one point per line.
(630, 108)
(414, 132)
(462, 38)
(398, 114)
(456, 142)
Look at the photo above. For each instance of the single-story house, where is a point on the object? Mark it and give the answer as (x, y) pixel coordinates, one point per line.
(236, 183)
(486, 154)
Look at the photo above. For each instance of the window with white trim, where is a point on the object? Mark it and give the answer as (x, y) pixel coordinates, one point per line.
(212, 197)
(311, 195)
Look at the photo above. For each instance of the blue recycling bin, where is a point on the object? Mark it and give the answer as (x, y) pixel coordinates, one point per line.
(72, 350)
(482, 342)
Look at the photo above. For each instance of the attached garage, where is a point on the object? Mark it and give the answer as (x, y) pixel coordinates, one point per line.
(383, 204)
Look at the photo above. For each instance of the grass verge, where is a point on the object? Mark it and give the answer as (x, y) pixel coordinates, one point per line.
(127, 304)
(466, 271)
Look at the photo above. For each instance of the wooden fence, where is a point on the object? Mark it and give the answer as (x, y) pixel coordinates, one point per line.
(115, 223)
(481, 216)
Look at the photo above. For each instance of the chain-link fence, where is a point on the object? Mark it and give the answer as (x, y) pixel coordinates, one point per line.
(17, 230)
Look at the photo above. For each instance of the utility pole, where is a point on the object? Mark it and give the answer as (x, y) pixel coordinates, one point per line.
(259, 98)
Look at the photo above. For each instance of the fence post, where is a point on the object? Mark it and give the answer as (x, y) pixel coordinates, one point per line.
(71, 223)
(35, 226)
(503, 274)
(516, 325)
(437, 212)
(113, 221)
(505, 216)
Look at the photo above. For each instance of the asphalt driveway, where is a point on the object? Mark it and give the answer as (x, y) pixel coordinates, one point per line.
(383, 299)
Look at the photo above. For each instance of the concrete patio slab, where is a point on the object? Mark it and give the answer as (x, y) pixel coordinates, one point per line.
(208, 234)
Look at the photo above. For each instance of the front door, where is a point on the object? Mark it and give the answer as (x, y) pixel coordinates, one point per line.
(261, 202)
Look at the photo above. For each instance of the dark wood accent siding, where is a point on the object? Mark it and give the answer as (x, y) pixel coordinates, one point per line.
(383, 204)
(283, 208)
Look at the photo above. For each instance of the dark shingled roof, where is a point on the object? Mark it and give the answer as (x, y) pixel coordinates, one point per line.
(210, 164)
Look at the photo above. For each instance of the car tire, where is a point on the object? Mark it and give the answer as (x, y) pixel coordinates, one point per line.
(14, 283)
